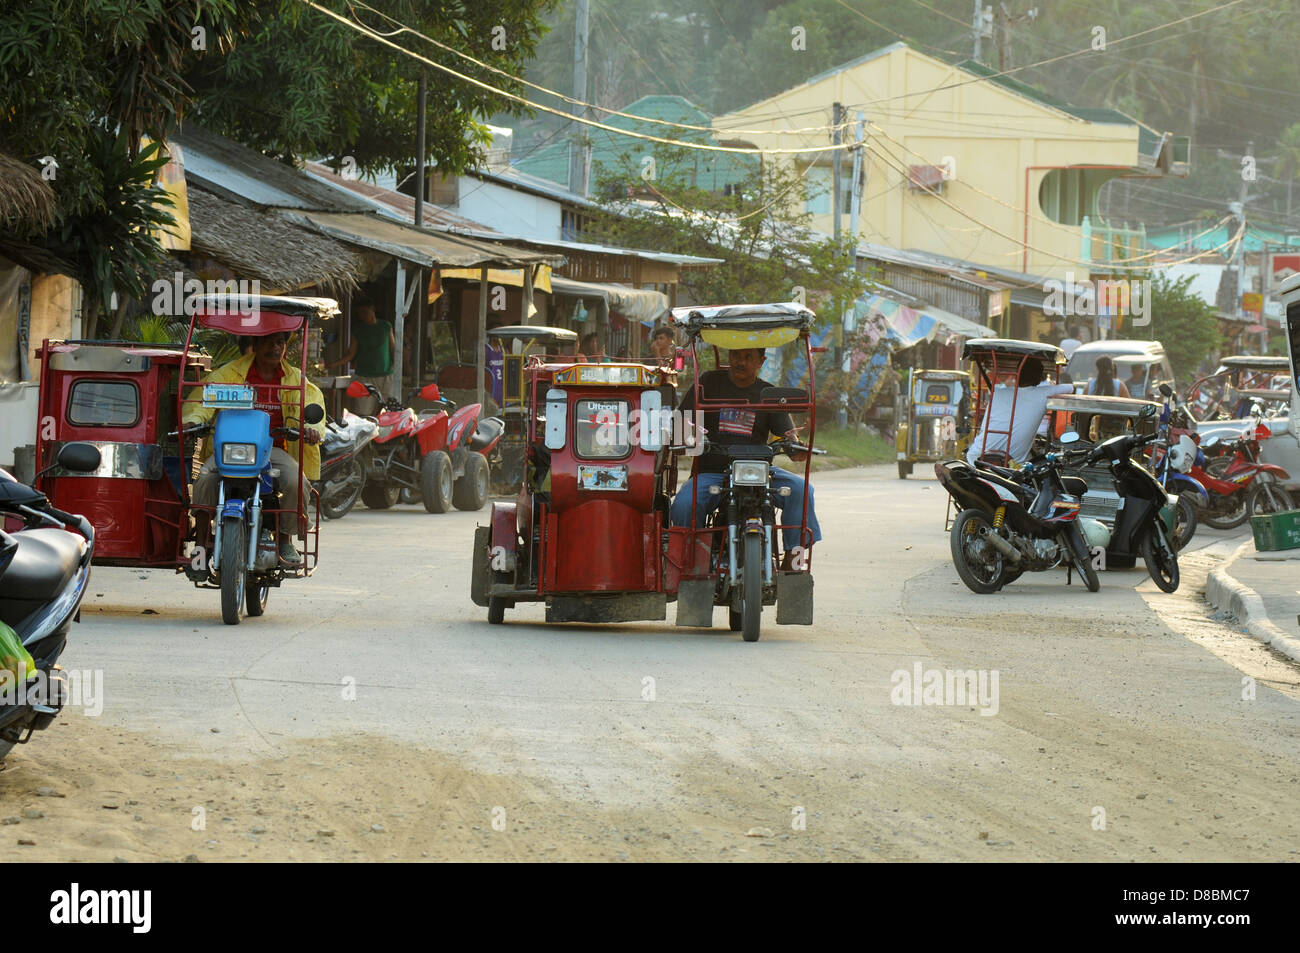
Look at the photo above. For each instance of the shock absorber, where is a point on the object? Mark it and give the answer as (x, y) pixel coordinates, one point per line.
(998, 516)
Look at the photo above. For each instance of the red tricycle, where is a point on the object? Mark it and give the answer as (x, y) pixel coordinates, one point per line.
(224, 512)
(591, 533)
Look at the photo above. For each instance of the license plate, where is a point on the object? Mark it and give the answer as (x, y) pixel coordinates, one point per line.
(602, 478)
(228, 395)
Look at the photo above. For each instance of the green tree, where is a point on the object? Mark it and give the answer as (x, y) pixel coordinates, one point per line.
(298, 82)
(1184, 323)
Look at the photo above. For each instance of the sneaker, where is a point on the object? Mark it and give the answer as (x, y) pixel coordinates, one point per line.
(289, 555)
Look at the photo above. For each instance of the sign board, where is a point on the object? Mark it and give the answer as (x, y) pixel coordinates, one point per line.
(1282, 265)
(1252, 302)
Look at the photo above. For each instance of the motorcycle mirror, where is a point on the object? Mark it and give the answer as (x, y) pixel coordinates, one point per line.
(1166, 390)
(314, 413)
(1147, 412)
(1070, 437)
(357, 389)
(79, 457)
(430, 392)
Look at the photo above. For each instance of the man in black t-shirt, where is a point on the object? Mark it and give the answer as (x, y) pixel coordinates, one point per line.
(740, 384)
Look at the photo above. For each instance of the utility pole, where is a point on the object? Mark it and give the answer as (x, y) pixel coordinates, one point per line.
(420, 181)
(855, 206)
(578, 163)
(837, 199)
(1005, 22)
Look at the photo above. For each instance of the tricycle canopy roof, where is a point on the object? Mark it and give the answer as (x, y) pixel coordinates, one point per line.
(1107, 406)
(1245, 362)
(534, 332)
(977, 348)
(941, 375)
(741, 317)
(259, 315)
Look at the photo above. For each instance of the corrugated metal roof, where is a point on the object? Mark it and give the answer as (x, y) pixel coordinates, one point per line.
(421, 246)
(240, 174)
(684, 261)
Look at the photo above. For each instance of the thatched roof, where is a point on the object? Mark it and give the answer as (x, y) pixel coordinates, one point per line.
(27, 203)
(262, 245)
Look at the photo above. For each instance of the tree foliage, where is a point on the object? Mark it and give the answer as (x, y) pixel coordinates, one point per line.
(339, 94)
(1184, 324)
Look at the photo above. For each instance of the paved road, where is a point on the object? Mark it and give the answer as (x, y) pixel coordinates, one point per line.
(1110, 736)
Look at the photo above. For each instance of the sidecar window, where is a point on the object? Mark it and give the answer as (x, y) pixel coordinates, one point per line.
(600, 429)
(94, 403)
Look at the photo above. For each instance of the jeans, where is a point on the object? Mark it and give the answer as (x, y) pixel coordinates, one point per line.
(706, 503)
(208, 483)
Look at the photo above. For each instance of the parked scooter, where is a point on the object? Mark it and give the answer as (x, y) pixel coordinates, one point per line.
(439, 454)
(44, 571)
(1237, 484)
(345, 460)
(1016, 521)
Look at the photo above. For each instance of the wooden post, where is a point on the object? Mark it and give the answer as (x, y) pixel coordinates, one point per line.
(527, 298)
(399, 329)
(481, 361)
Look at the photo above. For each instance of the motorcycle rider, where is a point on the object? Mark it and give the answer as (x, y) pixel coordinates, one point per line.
(1030, 397)
(740, 383)
(264, 366)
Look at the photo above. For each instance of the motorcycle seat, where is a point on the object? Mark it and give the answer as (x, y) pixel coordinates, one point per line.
(488, 430)
(44, 563)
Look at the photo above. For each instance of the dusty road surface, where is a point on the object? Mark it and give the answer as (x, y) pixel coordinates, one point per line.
(373, 714)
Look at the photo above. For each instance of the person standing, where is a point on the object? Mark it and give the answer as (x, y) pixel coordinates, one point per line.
(371, 351)
(663, 347)
(1070, 344)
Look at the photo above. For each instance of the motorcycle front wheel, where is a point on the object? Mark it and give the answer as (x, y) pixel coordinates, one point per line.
(234, 554)
(751, 575)
(978, 564)
(1267, 497)
(1160, 556)
(1082, 558)
(1185, 527)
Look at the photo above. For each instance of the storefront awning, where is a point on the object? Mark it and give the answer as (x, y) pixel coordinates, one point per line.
(513, 278)
(907, 324)
(635, 304)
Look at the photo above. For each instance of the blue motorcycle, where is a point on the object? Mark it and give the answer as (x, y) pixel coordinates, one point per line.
(245, 561)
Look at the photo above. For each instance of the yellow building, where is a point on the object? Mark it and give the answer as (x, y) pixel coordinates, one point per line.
(962, 163)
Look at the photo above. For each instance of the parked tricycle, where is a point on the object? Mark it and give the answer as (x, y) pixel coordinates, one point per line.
(590, 533)
(932, 417)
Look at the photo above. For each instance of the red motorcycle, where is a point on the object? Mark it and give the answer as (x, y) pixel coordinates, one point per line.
(441, 454)
(1239, 486)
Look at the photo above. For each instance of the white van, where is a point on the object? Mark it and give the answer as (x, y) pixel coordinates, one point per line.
(1141, 365)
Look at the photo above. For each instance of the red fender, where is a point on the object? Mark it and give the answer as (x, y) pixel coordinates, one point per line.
(505, 533)
(461, 425)
(431, 433)
(1274, 469)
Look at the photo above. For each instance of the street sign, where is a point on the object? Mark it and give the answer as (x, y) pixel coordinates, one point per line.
(1252, 302)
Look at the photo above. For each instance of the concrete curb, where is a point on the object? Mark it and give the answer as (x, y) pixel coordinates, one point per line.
(1225, 593)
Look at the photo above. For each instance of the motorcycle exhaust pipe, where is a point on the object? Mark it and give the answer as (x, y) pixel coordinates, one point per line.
(1000, 544)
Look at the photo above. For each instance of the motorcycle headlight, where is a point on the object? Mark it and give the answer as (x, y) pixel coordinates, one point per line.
(238, 454)
(749, 473)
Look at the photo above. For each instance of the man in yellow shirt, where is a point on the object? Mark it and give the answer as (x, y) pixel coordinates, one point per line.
(265, 367)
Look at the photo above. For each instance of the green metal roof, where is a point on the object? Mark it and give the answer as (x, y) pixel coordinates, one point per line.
(711, 171)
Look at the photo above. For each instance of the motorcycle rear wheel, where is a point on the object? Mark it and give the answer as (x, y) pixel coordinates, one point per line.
(1160, 556)
(234, 553)
(979, 575)
(255, 596)
(336, 507)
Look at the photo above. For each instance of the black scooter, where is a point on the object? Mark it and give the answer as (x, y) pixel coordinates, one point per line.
(1143, 523)
(44, 571)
